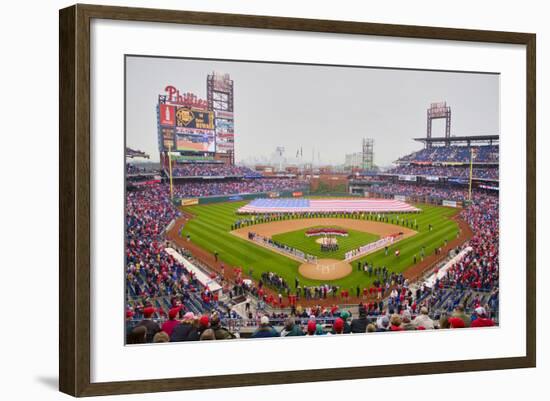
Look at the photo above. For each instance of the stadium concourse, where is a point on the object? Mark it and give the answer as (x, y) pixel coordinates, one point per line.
(176, 291)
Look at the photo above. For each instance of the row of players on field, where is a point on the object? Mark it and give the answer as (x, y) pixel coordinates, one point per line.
(405, 221)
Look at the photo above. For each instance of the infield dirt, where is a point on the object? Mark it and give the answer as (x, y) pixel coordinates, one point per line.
(279, 227)
(324, 269)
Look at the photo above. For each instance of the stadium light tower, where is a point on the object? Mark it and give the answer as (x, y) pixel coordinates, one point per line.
(280, 150)
(437, 111)
(367, 162)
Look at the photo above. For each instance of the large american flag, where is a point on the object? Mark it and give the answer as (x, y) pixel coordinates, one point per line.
(290, 205)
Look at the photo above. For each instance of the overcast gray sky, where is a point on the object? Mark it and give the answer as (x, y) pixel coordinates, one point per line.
(328, 109)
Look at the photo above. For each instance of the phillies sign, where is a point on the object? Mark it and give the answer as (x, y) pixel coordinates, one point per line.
(185, 99)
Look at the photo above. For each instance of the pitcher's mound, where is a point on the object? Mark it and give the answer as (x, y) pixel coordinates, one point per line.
(325, 269)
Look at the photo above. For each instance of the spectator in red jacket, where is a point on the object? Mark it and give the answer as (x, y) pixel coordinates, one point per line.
(481, 318)
(168, 326)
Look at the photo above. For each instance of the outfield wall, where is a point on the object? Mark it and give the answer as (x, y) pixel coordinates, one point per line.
(239, 197)
(416, 199)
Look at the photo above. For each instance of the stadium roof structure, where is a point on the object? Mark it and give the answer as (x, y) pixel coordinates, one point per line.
(490, 139)
(131, 153)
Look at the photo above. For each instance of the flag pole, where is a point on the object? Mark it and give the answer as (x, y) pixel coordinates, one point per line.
(170, 169)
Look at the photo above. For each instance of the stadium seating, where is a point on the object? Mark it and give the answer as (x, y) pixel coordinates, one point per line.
(455, 154)
(418, 190)
(212, 170)
(233, 187)
(490, 173)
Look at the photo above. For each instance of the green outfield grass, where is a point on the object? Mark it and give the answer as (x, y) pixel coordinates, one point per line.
(298, 240)
(211, 227)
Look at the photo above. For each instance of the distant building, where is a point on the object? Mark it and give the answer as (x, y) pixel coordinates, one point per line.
(354, 160)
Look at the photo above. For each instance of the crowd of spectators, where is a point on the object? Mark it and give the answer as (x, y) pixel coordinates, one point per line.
(418, 190)
(239, 186)
(460, 154)
(213, 170)
(153, 275)
(304, 322)
(490, 173)
(479, 269)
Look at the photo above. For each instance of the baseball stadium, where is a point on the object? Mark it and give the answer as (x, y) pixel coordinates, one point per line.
(219, 250)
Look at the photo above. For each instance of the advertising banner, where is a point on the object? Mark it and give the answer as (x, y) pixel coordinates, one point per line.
(431, 178)
(400, 198)
(193, 158)
(144, 183)
(224, 125)
(225, 137)
(167, 138)
(222, 85)
(189, 201)
(297, 194)
(488, 187)
(167, 115)
(224, 114)
(407, 178)
(273, 194)
(450, 203)
(193, 140)
(192, 118)
(224, 148)
(439, 109)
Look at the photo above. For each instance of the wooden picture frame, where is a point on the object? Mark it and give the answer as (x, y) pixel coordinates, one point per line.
(75, 208)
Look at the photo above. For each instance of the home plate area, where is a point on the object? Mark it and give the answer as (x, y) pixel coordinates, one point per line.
(325, 269)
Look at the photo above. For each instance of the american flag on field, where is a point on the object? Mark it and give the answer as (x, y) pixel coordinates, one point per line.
(290, 205)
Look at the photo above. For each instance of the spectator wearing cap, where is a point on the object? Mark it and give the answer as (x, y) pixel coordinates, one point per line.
(151, 326)
(220, 332)
(265, 330)
(345, 316)
(359, 325)
(161, 337)
(319, 331)
(311, 327)
(168, 326)
(129, 323)
(186, 330)
(338, 326)
(382, 323)
(459, 313)
(423, 320)
(481, 319)
(204, 323)
(291, 329)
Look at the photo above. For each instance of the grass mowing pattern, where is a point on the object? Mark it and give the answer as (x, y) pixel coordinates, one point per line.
(298, 240)
(212, 223)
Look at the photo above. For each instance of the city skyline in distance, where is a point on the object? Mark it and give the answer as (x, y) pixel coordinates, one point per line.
(319, 112)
